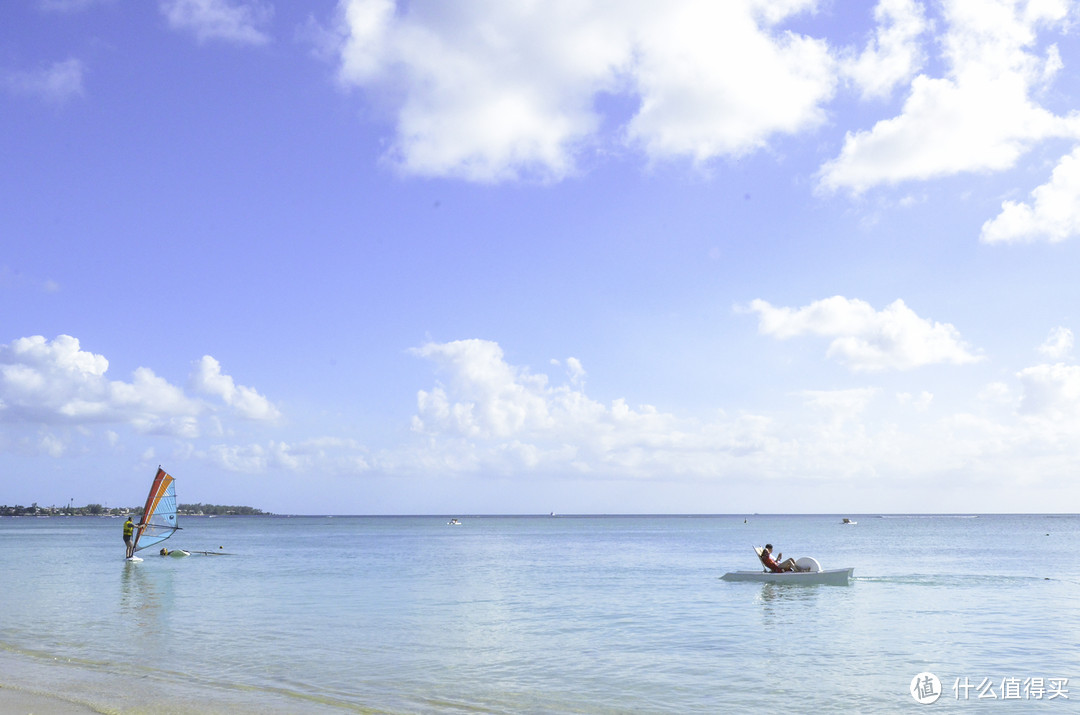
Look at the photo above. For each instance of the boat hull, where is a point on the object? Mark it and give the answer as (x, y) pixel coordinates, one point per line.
(832, 577)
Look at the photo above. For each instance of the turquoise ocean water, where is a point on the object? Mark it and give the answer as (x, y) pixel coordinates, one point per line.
(543, 614)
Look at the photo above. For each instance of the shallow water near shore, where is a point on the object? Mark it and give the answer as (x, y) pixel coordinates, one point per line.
(540, 614)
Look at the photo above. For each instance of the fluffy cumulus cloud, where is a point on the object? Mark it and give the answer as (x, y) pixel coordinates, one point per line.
(894, 54)
(894, 338)
(980, 116)
(58, 82)
(492, 416)
(1053, 213)
(489, 90)
(489, 417)
(208, 379)
(720, 79)
(55, 383)
(237, 21)
(1059, 343)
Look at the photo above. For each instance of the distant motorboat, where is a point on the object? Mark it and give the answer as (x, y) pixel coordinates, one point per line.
(454, 522)
(846, 520)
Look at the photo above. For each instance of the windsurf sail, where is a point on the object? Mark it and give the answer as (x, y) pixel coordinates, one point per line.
(159, 515)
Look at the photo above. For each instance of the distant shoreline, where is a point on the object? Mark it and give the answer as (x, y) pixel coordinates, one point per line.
(6, 511)
(99, 510)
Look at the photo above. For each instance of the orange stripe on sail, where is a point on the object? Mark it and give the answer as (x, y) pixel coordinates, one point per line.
(161, 482)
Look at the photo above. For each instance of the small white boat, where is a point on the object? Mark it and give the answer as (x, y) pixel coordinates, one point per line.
(454, 522)
(810, 572)
(832, 577)
(846, 520)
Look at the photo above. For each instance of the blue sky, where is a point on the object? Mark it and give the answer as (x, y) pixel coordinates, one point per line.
(514, 257)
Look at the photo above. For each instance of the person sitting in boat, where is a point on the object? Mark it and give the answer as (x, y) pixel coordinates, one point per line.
(771, 563)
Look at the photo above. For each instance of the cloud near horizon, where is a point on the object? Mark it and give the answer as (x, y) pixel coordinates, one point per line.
(491, 414)
(488, 417)
(56, 383)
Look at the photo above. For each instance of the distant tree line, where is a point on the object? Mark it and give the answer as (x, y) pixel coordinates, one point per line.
(216, 510)
(99, 510)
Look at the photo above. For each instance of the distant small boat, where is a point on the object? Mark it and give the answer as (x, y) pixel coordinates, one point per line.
(846, 520)
(454, 522)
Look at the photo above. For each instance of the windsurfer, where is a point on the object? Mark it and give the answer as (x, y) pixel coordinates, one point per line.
(129, 529)
(771, 563)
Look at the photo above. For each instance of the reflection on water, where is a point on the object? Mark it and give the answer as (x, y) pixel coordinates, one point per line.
(785, 605)
(142, 600)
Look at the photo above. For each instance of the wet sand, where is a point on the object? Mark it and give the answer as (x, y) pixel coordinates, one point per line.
(23, 702)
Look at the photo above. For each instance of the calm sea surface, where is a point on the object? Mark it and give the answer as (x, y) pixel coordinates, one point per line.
(542, 614)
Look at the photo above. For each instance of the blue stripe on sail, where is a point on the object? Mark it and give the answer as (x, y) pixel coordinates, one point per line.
(162, 522)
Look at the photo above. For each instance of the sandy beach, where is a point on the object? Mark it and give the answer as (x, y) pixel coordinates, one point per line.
(22, 702)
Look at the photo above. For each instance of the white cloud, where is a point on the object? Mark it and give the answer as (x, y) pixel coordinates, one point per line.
(893, 55)
(1051, 392)
(720, 79)
(208, 379)
(56, 382)
(980, 117)
(1058, 344)
(841, 405)
(227, 20)
(322, 455)
(576, 371)
(487, 417)
(493, 399)
(490, 415)
(489, 90)
(492, 418)
(867, 340)
(920, 402)
(58, 82)
(1053, 214)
